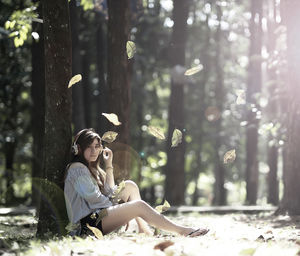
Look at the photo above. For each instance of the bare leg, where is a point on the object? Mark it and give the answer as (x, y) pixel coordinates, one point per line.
(119, 215)
(130, 193)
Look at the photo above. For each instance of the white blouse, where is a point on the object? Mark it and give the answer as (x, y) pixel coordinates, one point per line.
(82, 194)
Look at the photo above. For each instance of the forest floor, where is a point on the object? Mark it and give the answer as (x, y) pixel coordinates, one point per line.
(230, 234)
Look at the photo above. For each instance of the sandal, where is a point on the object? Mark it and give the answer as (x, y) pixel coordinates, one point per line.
(202, 232)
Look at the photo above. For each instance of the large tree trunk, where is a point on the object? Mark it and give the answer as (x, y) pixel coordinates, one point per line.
(38, 108)
(254, 86)
(175, 176)
(118, 79)
(291, 201)
(78, 107)
(57, 137)
(219, 189)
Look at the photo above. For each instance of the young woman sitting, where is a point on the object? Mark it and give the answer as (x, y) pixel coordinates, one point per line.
(89, 190)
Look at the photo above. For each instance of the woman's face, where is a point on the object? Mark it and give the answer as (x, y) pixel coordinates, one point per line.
(92, 152)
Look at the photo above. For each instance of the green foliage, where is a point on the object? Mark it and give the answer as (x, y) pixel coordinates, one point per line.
(19, 23)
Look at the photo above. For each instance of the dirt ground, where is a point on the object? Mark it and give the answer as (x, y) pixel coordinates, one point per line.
(230, 234)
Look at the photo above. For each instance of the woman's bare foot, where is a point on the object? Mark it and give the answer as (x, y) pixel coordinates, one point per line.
(196, 232)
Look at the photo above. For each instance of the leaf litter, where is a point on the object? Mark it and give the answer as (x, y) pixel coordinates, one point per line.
(231, 234)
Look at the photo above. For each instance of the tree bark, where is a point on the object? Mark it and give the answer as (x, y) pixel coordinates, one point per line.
(102, 86)
(272, 109)
(38, 107)
(254, 86)
(205, 74)
(118, 79)
(78, 106)
(57, 136)
(291, 202)
(219, 189)
(9, 151)
(175, 175)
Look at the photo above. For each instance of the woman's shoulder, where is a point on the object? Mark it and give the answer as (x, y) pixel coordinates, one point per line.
(77, 168)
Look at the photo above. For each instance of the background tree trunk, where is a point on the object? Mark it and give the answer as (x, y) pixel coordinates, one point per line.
(78, 106)
(219, 189)
(118, 81)
(291, 202)
(254, 86)
(38, 107)
(272, 110)
(57, 137)
(101, 61)
(175, 177)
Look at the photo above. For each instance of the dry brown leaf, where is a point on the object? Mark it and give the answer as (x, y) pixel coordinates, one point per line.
(229, 156)
(156, 132)
(163, 208)
(74, 80)
(176, 138)
(96, 231)
(193, 70)
(113, 118)
(163, 245)
(109, 136)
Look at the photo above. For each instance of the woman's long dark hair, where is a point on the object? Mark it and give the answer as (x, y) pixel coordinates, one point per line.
(83, 139)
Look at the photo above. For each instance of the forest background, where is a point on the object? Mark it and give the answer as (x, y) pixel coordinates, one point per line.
(243, 99)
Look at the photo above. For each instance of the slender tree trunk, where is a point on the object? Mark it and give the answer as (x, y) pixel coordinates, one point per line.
(205, 74)
(78, 106)
(86, 85)
(57, 137)
(175, 176)
(38, 108)
(9, 152)
(291, 201)
(272, 148)
(254, 86)
(102, 86)
(118, 80)
(219, 189)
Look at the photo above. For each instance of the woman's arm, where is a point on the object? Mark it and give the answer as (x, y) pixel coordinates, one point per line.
(108, 156)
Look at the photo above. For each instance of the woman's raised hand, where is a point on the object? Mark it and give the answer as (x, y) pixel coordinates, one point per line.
(107, 157)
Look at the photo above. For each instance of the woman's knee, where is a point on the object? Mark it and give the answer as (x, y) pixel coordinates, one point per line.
(141, 206)
(131, 185)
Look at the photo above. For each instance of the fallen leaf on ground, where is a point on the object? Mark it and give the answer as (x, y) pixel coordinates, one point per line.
(96, 231)
(163, 245)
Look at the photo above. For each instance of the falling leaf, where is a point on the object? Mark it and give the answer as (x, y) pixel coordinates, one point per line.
(241, 97)
(131, 49)
(176, 138)
(74, 80)
(156, 132)
(163, 208)
(229, 156)
(119, 189)
(193, 70)
(96, 231)
(109, 136)
(163, 245)
(113, 118)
